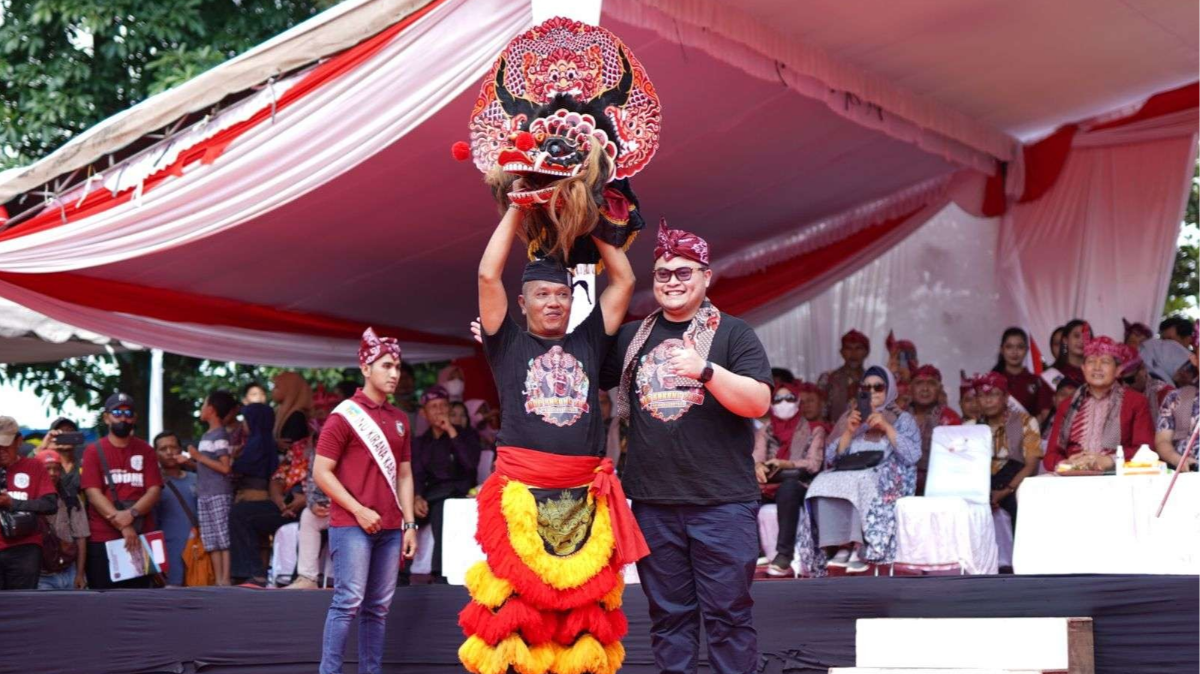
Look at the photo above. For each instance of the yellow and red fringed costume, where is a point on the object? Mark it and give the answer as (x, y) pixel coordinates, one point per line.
(556, 531)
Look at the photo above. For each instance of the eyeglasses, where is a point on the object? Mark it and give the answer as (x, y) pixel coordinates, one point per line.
(875, 388)
(684, 274)
(120, 413)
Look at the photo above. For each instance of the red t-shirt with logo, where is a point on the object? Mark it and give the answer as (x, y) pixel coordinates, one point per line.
(356, 468)
(134, 469)
(27, 480)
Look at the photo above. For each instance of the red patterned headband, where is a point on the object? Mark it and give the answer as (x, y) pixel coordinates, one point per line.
(992, 381)
(927, 372)
(1104, 346)
(678, 243)
(374, 347)
(856, 337)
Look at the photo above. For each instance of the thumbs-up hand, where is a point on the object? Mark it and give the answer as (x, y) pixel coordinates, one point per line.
(685, 361)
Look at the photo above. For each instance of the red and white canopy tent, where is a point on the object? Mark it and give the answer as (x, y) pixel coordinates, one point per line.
(268, 209)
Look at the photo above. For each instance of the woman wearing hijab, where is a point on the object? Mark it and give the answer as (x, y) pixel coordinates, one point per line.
(788, 452)
(870, 463)
(293, 399)
(452, 379)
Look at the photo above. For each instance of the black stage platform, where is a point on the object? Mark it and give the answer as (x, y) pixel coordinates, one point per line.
(1143, 624)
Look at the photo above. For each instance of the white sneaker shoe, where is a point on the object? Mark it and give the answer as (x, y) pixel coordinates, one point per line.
(855, 564)
(841, 558)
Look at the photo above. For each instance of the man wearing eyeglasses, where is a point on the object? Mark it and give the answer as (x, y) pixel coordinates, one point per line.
(121, 490)
(691, 381)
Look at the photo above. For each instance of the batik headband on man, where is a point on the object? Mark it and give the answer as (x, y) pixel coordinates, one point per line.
(992, 381)
(967, 386)
(1137, 329)
(672, 243)
(433, 393)
(927, 372)
(1104, 346)
(808, 387)
(856, 337)
(374, 347)
(1130, 362)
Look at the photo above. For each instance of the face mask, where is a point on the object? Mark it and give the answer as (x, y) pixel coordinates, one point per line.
(785, 410)
(454, 387)
(121, 429)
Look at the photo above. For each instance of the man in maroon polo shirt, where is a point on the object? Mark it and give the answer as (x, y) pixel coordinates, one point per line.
(363, 464)
(123, 506)
(25, 487)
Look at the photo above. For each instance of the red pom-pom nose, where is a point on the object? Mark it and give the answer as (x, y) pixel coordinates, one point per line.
(525, 141)
(461, 151)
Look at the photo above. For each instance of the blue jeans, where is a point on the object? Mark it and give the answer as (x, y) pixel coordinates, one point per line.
(365, 567)
(63, 580)
(701, 563)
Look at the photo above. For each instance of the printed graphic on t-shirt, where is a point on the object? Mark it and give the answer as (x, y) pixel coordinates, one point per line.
(656, 388)
(120, 476)
(556, 388)
(21, 480)
(135, 462)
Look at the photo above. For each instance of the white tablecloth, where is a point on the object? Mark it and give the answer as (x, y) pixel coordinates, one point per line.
(1107, 525)
(459, 549)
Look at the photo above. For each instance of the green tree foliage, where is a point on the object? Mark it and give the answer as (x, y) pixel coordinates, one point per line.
(1181, 294)
(67, 64)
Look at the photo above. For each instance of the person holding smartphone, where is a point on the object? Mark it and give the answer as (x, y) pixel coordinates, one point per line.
(871, 461)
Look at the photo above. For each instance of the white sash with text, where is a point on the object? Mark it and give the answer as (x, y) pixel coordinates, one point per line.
(372, 436)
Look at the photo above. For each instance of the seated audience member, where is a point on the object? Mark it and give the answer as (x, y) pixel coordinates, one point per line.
(1168, 362)
(445, 460)
(452, 379)
(839, 387)
(1028, 389)
(293, 399)
(902, 357)
(1016, 441)
(903, 395)
(929, 413)
(459, 415)
(176, 510)
(1102, 415)
(968, 399)
(1176, 421)
(1065, 391)
(1177, 329)
(870, 464)
(68, 453)
(1068, 360)
(486, 422)
(1056, 338)
(64, 543)
(782, 376)
(26, 493)
(314, 519)
(122, 484)
(1136, 333)
(788, 451)
(812, 405)
(1133, 373)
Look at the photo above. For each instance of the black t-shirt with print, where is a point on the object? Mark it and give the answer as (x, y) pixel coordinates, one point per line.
(684, 446)
(549, 394)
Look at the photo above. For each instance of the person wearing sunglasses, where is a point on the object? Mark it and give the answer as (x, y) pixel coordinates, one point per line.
(871, 462)
(691, 382)
(121, 491)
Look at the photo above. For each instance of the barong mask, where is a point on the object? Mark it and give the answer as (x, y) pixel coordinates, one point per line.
(568, 110)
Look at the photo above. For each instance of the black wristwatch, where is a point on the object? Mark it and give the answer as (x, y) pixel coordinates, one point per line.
(409, 525)
(707, 375)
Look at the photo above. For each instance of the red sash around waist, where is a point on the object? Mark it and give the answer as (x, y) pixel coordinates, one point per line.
(555, 471)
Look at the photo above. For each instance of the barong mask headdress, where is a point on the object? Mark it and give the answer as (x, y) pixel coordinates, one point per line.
(374, 347)
(569, 110)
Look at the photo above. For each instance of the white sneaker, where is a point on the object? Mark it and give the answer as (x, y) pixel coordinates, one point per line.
(763, 561)
(855, 564)
(841, 558)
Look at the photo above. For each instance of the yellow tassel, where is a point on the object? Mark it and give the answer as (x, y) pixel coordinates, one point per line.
(561, 573)
(479, 658)
(485, 587)
(613, 600)
(587, 656)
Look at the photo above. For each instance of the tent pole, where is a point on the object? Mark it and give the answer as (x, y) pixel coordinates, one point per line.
(156, 392)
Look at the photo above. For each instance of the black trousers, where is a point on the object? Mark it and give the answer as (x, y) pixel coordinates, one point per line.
(789, 504)
(97, 571)
(249, 523)
(20, 567)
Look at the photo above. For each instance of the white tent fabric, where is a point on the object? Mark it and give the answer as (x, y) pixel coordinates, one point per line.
(345, 205)
(29, 337)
